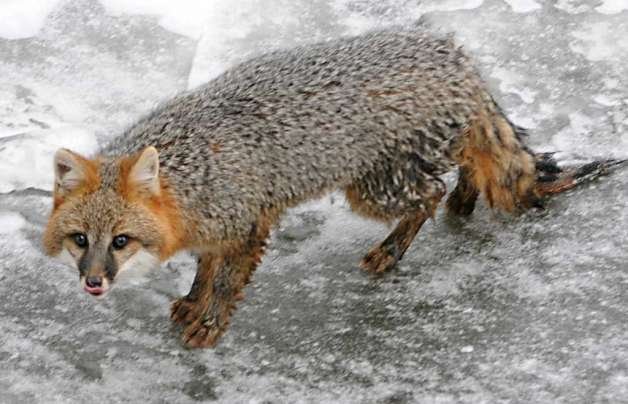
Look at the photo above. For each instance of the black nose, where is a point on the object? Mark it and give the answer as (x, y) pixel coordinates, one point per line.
(93, 281)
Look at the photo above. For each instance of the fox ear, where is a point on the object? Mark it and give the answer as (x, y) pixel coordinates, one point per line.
(70, 171)
(145, 171)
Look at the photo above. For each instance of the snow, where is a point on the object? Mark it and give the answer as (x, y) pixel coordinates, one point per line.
(523, 6)
(601, 41)
(26, 159)
(491, 308)
(612, 6)
(10, 222)
(23, 18)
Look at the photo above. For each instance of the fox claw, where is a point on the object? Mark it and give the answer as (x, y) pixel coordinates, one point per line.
(200, 335)
(378, 260)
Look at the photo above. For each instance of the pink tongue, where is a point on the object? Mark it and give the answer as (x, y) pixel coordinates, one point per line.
(94, 291)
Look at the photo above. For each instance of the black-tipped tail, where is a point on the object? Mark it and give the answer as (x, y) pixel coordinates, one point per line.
(553, 179)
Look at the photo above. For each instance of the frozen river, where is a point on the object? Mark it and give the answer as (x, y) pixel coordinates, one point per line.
(530, 309)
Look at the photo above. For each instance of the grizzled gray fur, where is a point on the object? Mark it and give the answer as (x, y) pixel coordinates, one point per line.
(381, 112)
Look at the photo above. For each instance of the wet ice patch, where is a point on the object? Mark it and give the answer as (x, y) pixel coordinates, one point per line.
(26, 159)
(23, 18)
(523, 6)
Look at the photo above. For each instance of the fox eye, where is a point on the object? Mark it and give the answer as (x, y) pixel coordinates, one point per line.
(119, 242)
(80, 240)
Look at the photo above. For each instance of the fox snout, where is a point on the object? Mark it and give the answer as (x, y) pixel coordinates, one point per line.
(97, 268)
(95, 285)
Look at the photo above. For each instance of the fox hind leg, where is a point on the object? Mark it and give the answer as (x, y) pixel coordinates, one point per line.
(462, 199)
(413, 196)
(385, 255)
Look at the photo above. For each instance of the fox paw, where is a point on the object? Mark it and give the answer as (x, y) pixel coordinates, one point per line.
(379, 260)
(184, 311)
(200, 335)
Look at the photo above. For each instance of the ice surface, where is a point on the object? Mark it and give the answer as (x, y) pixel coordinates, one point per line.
(487, 309)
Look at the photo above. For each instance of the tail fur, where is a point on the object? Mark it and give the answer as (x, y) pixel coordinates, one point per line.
(553, 179)
(496, 162)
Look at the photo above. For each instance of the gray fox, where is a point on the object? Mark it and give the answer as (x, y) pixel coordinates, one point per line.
(380, 116)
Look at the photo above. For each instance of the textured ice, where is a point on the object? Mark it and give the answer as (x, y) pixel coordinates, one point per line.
(487, 309)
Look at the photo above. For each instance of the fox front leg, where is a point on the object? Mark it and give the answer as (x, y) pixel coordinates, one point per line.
(188, 308)
(207, 308)
(211, 321)
(218, 285)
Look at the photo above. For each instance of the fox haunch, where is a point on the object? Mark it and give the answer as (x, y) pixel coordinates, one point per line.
(381, 116)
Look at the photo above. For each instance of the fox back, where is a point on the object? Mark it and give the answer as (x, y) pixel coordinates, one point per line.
(290, 125)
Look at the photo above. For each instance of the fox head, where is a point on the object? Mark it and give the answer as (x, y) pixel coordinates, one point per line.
(110, 215)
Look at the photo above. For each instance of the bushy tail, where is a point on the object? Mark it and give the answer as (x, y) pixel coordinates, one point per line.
(553, 179)
(495, 161)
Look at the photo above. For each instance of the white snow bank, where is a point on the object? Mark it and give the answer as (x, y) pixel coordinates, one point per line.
(572, 7)
(184, 17)
(523, 6)
(23, 18)
(223, 24)
(451, 5)
(612, 6)
(26, 159)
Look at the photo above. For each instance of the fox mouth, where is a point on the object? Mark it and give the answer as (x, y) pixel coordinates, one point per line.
(96, 291)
